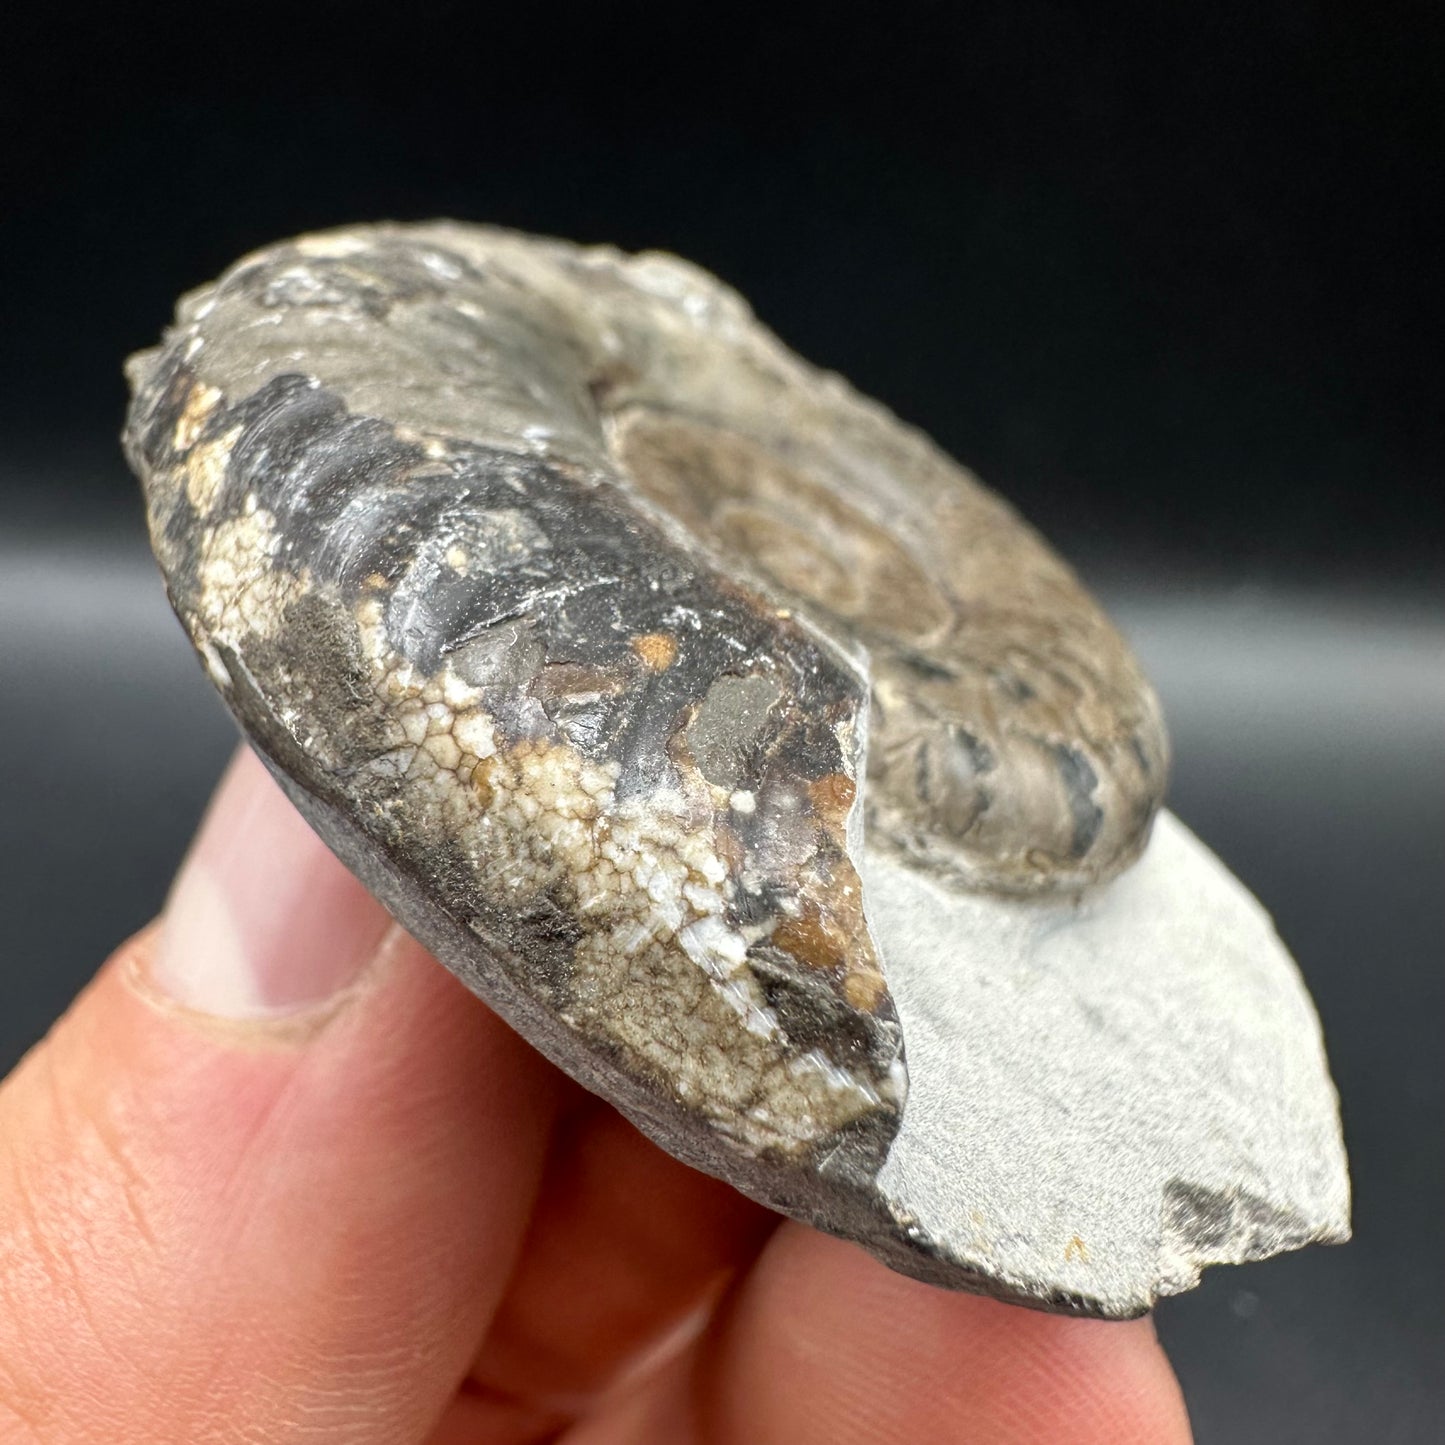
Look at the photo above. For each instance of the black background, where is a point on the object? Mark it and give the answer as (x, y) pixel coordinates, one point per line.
(1168, 277)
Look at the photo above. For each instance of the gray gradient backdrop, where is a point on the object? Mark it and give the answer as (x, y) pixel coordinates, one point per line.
(1162, 273)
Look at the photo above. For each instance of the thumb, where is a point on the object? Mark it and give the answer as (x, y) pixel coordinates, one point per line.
(266, 1179)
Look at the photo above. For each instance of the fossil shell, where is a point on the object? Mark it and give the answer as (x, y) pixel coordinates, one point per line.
(759, 765)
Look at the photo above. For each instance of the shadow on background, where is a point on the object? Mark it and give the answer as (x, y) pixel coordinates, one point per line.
(1159, 276)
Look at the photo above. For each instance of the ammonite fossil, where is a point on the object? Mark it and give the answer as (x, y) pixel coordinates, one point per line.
(762, 768)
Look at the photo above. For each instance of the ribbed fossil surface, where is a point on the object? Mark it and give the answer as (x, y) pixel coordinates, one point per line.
(757, 763)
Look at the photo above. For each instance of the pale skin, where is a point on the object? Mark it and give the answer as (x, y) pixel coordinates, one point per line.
(276, 1176)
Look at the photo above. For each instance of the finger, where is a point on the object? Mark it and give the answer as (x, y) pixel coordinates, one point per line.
(822, 1343)
(657, 1410)
(626, 1248)
(267, 1178)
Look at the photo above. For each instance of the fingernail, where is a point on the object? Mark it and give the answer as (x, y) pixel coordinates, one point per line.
(263, 921)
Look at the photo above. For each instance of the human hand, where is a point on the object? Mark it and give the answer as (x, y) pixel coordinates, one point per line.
(276, 1176)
